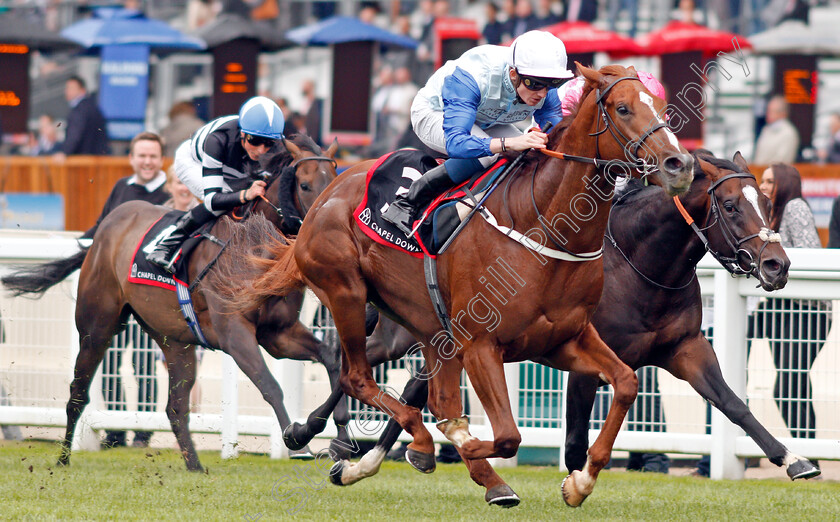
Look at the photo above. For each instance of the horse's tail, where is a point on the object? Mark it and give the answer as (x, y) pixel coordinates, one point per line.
(36, 280)
(269, 269)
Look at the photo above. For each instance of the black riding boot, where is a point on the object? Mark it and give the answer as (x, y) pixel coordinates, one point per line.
(424, 189)
(164, 253)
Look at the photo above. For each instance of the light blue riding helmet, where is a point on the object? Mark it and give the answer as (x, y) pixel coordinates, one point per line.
(260, 116)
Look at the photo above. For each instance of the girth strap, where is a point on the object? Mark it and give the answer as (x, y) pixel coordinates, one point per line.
(430, 271)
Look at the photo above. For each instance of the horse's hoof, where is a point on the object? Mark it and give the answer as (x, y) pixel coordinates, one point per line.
(803, 469)
(339, 450)
(63, 462)
(570, 493)
(422, 462)
(289, 437)
(335, 473)
(502, 496)
(301, 454)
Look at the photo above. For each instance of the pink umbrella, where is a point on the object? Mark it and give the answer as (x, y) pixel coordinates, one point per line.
(678, 37)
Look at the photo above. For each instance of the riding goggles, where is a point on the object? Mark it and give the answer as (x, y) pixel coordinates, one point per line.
(534, 83)
(258, 141)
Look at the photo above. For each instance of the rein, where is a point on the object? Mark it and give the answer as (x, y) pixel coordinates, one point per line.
(688, 219)
(730, 263)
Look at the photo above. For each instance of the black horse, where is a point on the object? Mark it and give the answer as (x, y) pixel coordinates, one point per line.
(300, 172)
(650, 310)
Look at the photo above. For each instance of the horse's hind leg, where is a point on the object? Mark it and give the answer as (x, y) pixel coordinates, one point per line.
(182, 365)
(580, 396)
(97, 324)
(695, 362)
(589, 355)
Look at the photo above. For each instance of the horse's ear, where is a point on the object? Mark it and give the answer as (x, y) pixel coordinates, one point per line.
(293, 149)
(707, 168)
(632, 71)
(333, 148)
(739, 160)
(592, 76)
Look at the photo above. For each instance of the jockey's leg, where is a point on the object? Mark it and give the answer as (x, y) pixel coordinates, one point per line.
(164, 253)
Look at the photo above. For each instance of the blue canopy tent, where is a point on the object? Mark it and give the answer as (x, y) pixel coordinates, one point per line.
(347, 115)
(118, 26)
(344, 29)
(124, 38)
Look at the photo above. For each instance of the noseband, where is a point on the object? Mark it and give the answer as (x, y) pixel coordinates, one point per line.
(609, 124)
(730, 262)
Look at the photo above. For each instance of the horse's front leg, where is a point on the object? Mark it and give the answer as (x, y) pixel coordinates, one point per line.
(347, 304)
(589, 355)
(483, 363)
(694, 361)
(237, 338)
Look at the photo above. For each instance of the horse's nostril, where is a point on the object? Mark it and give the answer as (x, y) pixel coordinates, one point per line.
(771, 267)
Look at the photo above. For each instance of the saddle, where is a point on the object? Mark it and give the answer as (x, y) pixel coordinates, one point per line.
(392, 174)
(145, 273)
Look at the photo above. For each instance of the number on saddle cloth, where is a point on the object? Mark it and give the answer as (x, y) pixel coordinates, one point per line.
(392, 175)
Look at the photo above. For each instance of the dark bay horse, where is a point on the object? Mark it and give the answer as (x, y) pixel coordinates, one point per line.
(650, 309)
(544, 316)
(106, 298)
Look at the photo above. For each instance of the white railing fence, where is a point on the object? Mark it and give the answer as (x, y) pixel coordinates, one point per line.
(40, 343)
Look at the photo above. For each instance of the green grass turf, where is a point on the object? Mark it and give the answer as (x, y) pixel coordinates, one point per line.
(134, 484)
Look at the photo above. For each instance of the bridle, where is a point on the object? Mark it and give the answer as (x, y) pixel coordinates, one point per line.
(609, 124)
(731, 261)
(294, 165)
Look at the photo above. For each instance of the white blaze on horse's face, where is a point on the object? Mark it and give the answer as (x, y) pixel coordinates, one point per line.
(647, 100)
(752, 196)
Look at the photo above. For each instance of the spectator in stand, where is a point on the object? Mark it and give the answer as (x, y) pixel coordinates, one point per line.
(146, 184)
(525, 19)
(313, 110)
(46, 143)
(778, 141)
(183, 122)
(200, 13)
(834, 225)
(290, 128)
(494, 30)
(85, 132)
(425, 64)
(632, 9)
(796, 328)
(548, 12)
(581, 11)
(378, 103)
(831, 153)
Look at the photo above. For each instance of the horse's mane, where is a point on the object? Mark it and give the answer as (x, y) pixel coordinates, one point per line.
(280, 157)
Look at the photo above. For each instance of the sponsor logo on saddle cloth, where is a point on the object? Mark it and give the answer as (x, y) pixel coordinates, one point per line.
(145, 273)
(390, 176)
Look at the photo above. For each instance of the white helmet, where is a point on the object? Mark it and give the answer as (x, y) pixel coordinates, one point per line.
(539, 54)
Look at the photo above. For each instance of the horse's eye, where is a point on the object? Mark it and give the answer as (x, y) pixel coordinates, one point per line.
(729, 207)
(305, 187)
(622, 110)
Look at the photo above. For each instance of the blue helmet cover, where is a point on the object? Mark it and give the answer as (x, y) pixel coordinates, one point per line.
(259, 116)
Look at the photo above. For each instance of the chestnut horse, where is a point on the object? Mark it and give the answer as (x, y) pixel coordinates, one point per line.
(650, 310)
(106, 298)
(548, 322)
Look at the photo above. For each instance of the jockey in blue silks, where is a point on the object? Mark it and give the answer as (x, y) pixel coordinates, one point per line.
(468, 107)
